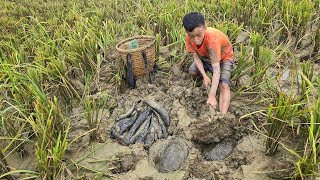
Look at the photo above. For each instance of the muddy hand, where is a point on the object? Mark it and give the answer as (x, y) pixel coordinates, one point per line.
(212, 102)
(206, 81)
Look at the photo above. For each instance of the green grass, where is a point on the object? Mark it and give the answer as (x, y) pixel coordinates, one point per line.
(308, 164)
(285, 111)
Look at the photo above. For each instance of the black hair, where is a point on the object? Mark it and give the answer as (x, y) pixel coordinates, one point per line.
(193, 20)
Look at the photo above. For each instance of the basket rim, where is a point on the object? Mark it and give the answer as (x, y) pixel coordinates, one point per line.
(136, 49)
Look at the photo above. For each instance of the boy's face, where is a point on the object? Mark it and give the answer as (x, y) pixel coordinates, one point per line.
(197, 35)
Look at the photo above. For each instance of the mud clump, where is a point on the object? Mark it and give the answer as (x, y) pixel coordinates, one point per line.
(124, 163)
(200, 169)
(236, 159)
(169, 155)
(146, 178)
(213, 129)
(220, 151)
(280, 168)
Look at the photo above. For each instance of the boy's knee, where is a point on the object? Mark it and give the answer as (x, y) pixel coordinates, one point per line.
(224, 86)
(192, 73)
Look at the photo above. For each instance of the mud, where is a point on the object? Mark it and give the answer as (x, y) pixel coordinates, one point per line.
(213, 127)
(219, 151)
(200, 127)
(169, 155)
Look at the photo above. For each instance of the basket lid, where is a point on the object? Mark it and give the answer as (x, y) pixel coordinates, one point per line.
(141, 47)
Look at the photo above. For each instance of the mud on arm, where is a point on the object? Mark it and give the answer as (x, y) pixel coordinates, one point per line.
(199, 64)
(215, 61)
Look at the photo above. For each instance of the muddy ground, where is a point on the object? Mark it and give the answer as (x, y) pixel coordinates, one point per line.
(193, 123)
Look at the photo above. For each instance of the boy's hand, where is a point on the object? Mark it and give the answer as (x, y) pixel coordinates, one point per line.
(206, 81)
(212, 101)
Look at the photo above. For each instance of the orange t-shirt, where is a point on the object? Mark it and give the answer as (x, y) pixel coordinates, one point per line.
(214, 39)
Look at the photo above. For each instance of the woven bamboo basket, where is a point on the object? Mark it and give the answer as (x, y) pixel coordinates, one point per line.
(146, 44)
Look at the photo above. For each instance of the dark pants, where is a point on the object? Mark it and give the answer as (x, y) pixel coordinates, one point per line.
(226, 68)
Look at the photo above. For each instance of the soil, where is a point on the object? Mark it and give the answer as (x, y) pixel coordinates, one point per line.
(194, 122)
(191, 120)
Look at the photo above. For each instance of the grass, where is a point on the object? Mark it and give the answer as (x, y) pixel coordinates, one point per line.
(96, 109)
(283, 112)
(51, 130)
(56, 55)
(308, 164)
(4, 166)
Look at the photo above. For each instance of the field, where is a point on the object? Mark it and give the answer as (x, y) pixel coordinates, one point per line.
(62, 89)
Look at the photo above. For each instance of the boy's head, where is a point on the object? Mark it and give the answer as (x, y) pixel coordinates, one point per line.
(194, 25)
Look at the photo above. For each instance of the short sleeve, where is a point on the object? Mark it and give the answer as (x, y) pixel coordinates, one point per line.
(215, 47)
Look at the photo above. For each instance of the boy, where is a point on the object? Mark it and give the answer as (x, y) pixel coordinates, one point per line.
(212, 51)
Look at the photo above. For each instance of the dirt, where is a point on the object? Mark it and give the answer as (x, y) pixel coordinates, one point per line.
(192, 120)
(198, 125)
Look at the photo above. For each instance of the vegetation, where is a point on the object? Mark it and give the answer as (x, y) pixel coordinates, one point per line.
(52, 55)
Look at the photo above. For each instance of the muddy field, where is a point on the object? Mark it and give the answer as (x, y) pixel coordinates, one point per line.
(208, 145)
(60, 62)
(194, 127)
(203, 143)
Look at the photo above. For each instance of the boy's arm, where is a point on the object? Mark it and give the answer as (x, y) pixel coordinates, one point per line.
(215, 60)
(199, 64)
